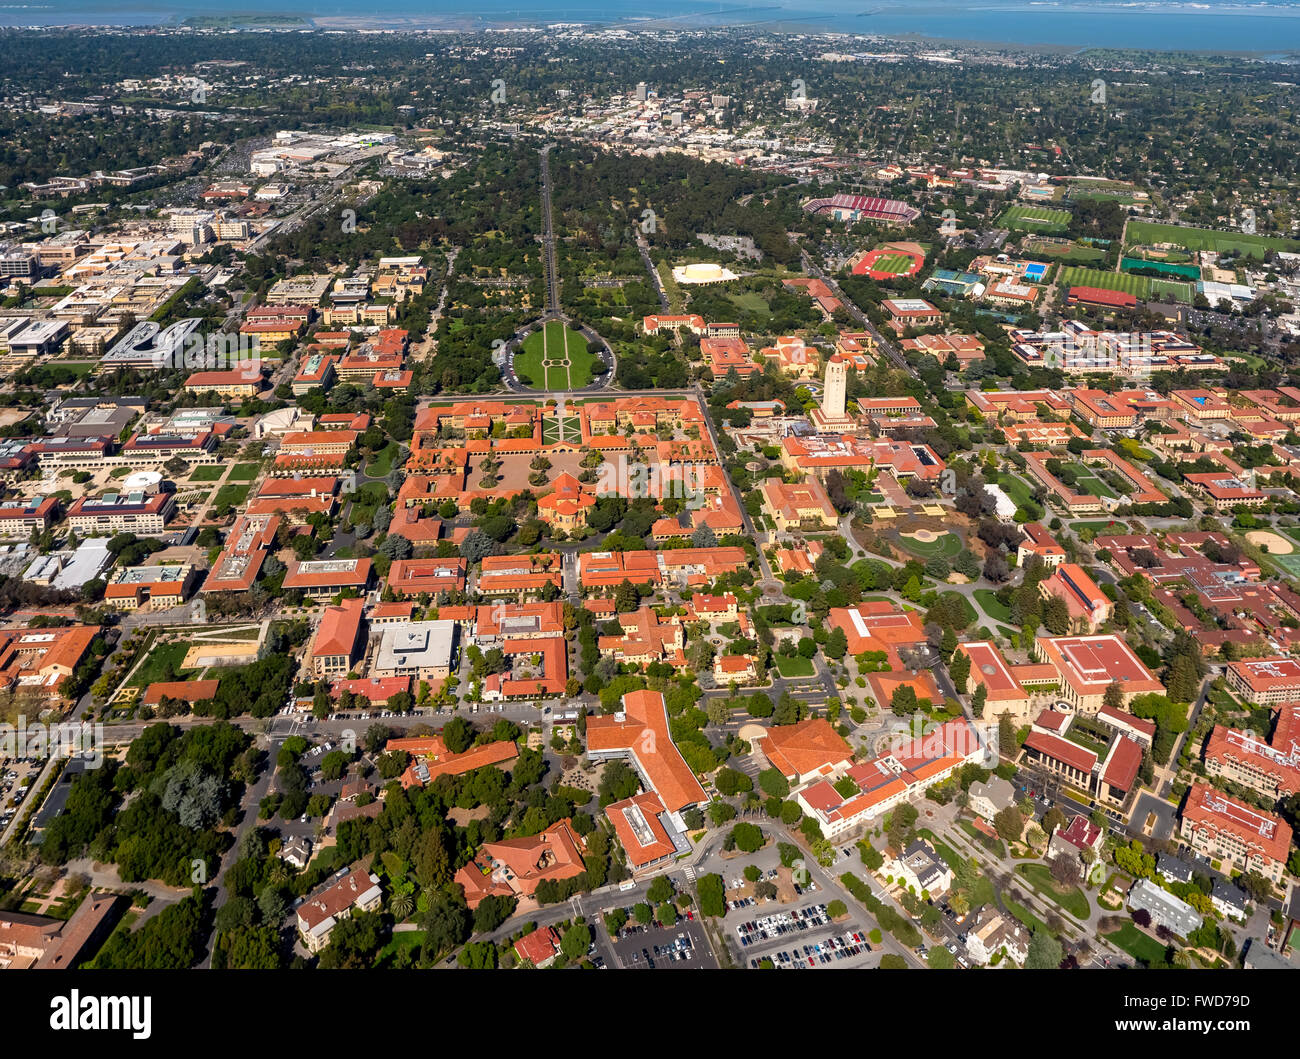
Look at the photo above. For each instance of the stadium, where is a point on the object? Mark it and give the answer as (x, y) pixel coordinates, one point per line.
(890, 261)
(863, 208)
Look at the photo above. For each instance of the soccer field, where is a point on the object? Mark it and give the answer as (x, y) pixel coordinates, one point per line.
(1148, 232)
(1035, 218)
(1141, 287)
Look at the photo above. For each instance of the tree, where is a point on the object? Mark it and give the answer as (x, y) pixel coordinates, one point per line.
(978, 700)
(730, 782)
(576, 941)
(1006, 736)
(458, 735)
(1066, 870)
(1009, 823)
(1045, 952)
(746, 837)
(837, 644)
(711, 894)
(772, 782)
(660, 890)
(1113, 697)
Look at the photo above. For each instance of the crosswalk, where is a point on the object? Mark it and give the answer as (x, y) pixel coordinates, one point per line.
(689, 872)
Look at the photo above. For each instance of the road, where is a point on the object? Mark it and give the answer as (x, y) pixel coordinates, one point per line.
(811, 268)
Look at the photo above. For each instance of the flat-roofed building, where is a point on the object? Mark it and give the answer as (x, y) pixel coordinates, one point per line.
(156, 587)
(112, 513)
(425, 650)
(22, 518)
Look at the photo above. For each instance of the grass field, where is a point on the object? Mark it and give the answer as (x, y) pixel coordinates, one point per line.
(1141, 287)
(895, 264)
(1074, 900)
(159, 665)
(794, 666)
(1035, 219)
(1102, 527)
(1064, 252)
(555, 359)
(1089, 483)
(234, 495)
(380, 465)
(1146, 232)
(1015, 488)
(988, 601)
(948, 545)
(1025, 916)
(1289, 565)
(207, 472)
(1137, 944)
(244, 472)
(751, 302)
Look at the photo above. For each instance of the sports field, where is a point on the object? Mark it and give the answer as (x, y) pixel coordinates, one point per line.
(1066, 253)
(555, 358)
(1141, 287)
(1035, 219)
(1147, 232)
(895, 264)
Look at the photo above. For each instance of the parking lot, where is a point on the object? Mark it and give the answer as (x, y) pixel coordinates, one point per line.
(803, 937)
(681, 946)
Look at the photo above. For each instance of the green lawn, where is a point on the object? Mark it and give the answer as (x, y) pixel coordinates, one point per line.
(555, 359)
(406, 939)
(794, 666)
(383, 461)
(162, 662)
(1137, 944)
(948, 545)
(1141, 287)
(1206, 239)
(1073, 900)
(244, 472)
(208, 472)
(751, 302)
(1026, 917)
(1089, 482)
(1015, 488)
(231, 494)
(556, 429)
(988, 601)
(1104, 528)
